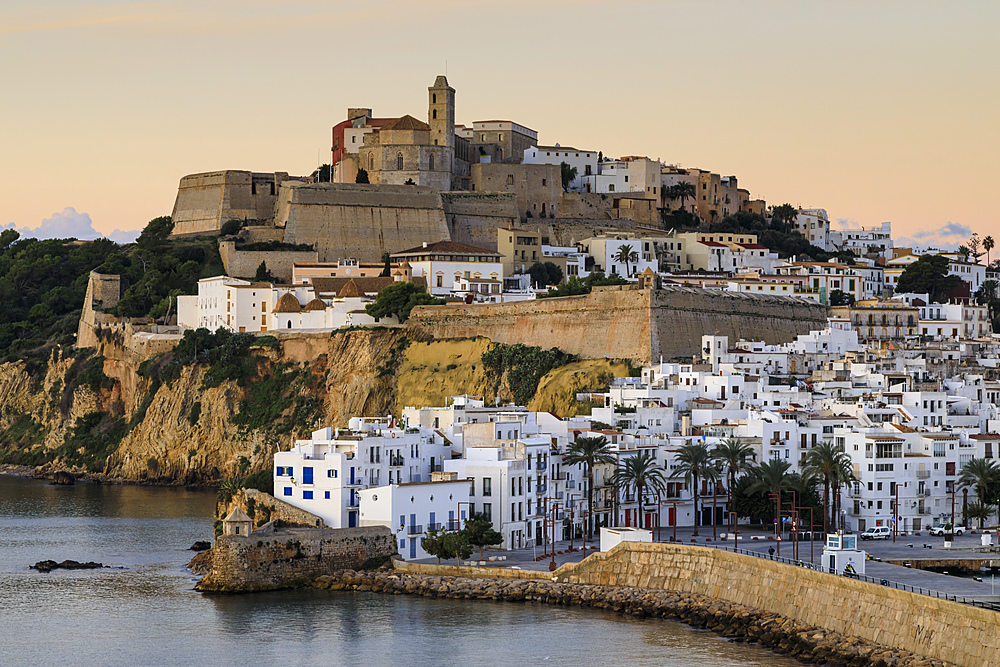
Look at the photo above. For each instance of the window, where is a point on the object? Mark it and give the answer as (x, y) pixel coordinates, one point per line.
(488, 511)
(487, 486)
(434, 114)
(611, 187)
(371, 162)
(288, 491)
(440, 280)
(307, 495)
(472, 487)
(326, 495)
(399, 161)
(430, 161)
(510, 179)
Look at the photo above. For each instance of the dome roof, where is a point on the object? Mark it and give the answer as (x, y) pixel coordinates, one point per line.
(349, 289)
(288, 304)
(315, 304)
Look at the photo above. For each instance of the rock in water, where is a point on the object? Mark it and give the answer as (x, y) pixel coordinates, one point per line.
(49, 565)
(200, 545)
(63, 478)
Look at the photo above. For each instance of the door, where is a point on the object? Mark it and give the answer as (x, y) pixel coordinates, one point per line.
(833, 563)
(672, 516)
(431, 521)
(413, 546)
(352, 519)
(307, 475)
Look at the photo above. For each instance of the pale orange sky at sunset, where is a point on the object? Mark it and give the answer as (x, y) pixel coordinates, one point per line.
(875, 110)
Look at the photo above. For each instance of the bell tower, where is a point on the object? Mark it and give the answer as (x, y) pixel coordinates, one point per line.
(441, 113)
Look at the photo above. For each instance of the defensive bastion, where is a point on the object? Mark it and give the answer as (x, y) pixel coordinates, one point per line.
(955, 633)
(625, 322)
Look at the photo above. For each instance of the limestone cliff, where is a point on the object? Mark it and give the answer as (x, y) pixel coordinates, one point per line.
(102, 412)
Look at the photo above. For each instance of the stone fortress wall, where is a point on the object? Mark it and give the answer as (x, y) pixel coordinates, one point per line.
(474, 217)
(244, 263)
(949, 631)
(622, 322)
(272, 558)
(208, 200)
(360, 221)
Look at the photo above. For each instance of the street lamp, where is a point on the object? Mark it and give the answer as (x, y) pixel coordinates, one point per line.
(736, 532)
(572, 511)
(555, 512)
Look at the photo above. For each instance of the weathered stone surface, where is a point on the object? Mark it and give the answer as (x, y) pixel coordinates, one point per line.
(272, 559)
(808, 643)
(49, 565)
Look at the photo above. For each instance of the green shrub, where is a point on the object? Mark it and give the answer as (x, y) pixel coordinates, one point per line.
(195, 413)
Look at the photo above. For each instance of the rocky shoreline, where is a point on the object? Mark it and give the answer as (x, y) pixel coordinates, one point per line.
(47, 471)
(807, 643)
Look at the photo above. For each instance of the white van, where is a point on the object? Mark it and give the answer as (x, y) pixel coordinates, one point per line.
(877, 533)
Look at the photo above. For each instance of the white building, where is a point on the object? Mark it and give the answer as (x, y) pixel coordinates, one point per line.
(631, 174)
(814, 225)
(863, 241)
(325, 474)
(410, 510)
(585, 162)
(605, 249)
(444, 263)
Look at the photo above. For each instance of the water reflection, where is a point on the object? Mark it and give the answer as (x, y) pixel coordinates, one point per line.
(145, 611)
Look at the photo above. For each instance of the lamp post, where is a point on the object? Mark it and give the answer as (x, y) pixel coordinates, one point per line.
(736, 532)
(715, 495)
(572, 511)
(555, 512)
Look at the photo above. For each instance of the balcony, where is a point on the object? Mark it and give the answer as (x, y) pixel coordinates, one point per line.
(541, 488)
(434, 526)
(453, 524)
(558, 476)
(571, 484)
(396, 461)
(923, 474)
(437, 468)
(558, 495)
(415, 530)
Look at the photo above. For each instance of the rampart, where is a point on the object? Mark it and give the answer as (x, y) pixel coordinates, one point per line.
(360, 221)
(928, 626)
(474, 217)
(205, 201)
(272, 558)
(624, 322)
(265, 508)
(244, 263)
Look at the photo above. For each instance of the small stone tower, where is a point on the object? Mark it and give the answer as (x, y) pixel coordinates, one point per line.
(237, 523)
(441, 113)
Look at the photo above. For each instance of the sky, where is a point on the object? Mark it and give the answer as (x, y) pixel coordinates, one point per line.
(876, 110)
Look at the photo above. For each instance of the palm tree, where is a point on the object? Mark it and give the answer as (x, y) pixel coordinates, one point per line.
(979, 473)
(771, 477)
(623, 256)
(733, 454)
(693, 462)
(827, 461)
(682, 191)
(641, 473)
(589, 452)
(987, 246)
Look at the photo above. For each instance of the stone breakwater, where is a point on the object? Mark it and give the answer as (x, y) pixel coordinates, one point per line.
(807, 643)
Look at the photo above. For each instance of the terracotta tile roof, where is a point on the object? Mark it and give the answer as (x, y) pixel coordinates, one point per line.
(315, 304)
(446, 247)
(369, 285)
(288, 304)
(407, 122)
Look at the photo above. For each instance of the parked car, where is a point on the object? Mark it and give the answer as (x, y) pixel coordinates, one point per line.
(946, 528)
(877, 533)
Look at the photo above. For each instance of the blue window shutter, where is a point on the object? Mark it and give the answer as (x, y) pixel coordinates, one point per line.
(326, 495)
(307, 495)
(402, 520)
(307, 475)
(288, 490)
(290, 471)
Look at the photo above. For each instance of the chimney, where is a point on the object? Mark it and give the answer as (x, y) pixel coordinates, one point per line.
(425, 244)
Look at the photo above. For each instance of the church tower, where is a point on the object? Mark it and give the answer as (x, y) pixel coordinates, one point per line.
(441, 113)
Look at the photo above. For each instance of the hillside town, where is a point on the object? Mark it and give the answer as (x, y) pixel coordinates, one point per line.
(889, 411)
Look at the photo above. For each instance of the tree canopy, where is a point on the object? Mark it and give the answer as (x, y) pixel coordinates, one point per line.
(568, 174)
(928, 275)
(545, 274)
(575, 286)
(478, 532)
(399, 299)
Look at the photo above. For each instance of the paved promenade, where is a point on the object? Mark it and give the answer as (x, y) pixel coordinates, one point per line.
(905, 547)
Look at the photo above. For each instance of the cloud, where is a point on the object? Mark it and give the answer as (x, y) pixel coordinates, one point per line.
(948, 237)
(848, 225)
(71, 224)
